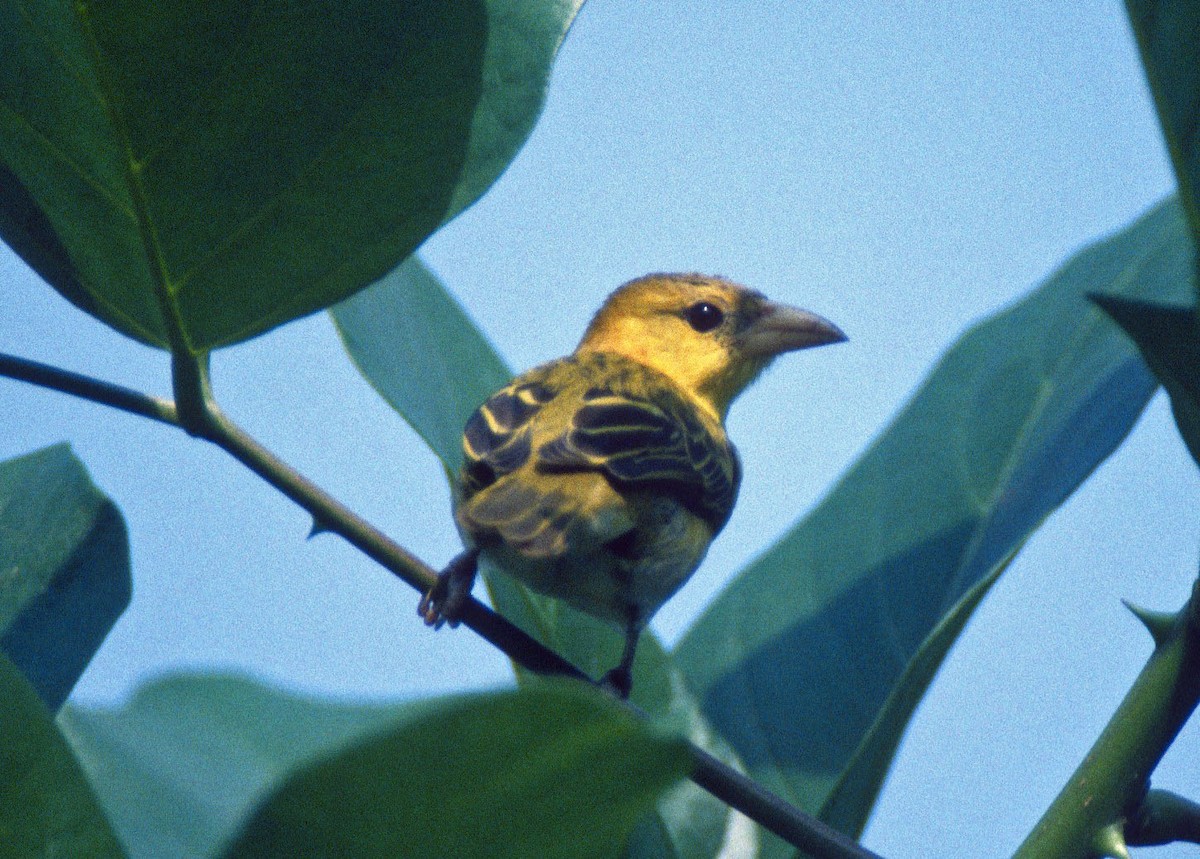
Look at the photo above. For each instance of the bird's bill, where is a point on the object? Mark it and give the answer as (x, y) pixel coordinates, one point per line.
(784, 329)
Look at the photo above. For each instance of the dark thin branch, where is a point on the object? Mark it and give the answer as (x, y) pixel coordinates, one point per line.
(332, 515)
(801, 830)
(85, 387)
(207, 421)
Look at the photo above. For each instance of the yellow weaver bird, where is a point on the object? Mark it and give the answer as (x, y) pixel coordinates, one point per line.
(601, 478)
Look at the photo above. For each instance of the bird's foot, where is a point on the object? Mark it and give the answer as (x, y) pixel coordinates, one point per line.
(618, 682)
(445, 600)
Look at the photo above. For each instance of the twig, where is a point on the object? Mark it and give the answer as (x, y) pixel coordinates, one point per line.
(1161, 818)
(87, 388)
(204, 419)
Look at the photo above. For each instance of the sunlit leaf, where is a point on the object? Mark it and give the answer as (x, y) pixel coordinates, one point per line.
(416, 345)
(182, 764)
(236, 164)
(555, 770)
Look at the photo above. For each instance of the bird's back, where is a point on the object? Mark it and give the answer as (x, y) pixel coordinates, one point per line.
(594, 479)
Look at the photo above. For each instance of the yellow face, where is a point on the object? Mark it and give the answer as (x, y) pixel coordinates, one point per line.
(710, 336)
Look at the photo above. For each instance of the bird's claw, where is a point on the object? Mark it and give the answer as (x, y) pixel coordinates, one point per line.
(618, 682)
(432, 606)
(444, 602)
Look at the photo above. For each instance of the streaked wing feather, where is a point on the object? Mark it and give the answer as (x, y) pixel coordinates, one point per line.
(542, 523)
(636, 442)
(497, 439)
(626, 440)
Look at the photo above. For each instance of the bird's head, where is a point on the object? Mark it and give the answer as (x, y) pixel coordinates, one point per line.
(709, 335)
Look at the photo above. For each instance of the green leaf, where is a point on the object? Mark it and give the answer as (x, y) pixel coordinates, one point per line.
(64, 568)
(216, 169)
(182, 764)
(1169, 340)
(46, 806)
(418, 348)
(1168, 34)
(812, 661)
(556, 769)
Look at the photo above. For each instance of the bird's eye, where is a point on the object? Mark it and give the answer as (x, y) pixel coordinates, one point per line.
(704, 316)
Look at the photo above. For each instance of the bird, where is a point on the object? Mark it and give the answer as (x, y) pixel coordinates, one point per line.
(601, 478)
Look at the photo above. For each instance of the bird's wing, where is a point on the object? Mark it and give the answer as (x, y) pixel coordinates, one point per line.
(638, 442)
(547, 516)
(498, 437)
(564, 493)
(542, 515)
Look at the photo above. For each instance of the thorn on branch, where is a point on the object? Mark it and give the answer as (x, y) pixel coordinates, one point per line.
(319, 526)
(1160, 624)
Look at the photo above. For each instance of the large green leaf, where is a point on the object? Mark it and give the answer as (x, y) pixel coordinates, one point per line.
(238, 163)
(46, 806)
(554, 770)
(64, 568)
(191, 761)
(420, 350)
(813, 660)
(183, 763)
(1168, 34)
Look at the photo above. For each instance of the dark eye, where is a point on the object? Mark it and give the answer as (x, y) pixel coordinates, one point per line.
(704, 316)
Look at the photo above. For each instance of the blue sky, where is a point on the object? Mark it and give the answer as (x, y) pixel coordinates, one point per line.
(903, 169)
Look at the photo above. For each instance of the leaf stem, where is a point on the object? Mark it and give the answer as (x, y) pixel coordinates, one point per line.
(1102, 808)
(194, 403)
(207, 421)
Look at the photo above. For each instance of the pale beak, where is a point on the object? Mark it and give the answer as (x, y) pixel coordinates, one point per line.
(784, 329)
